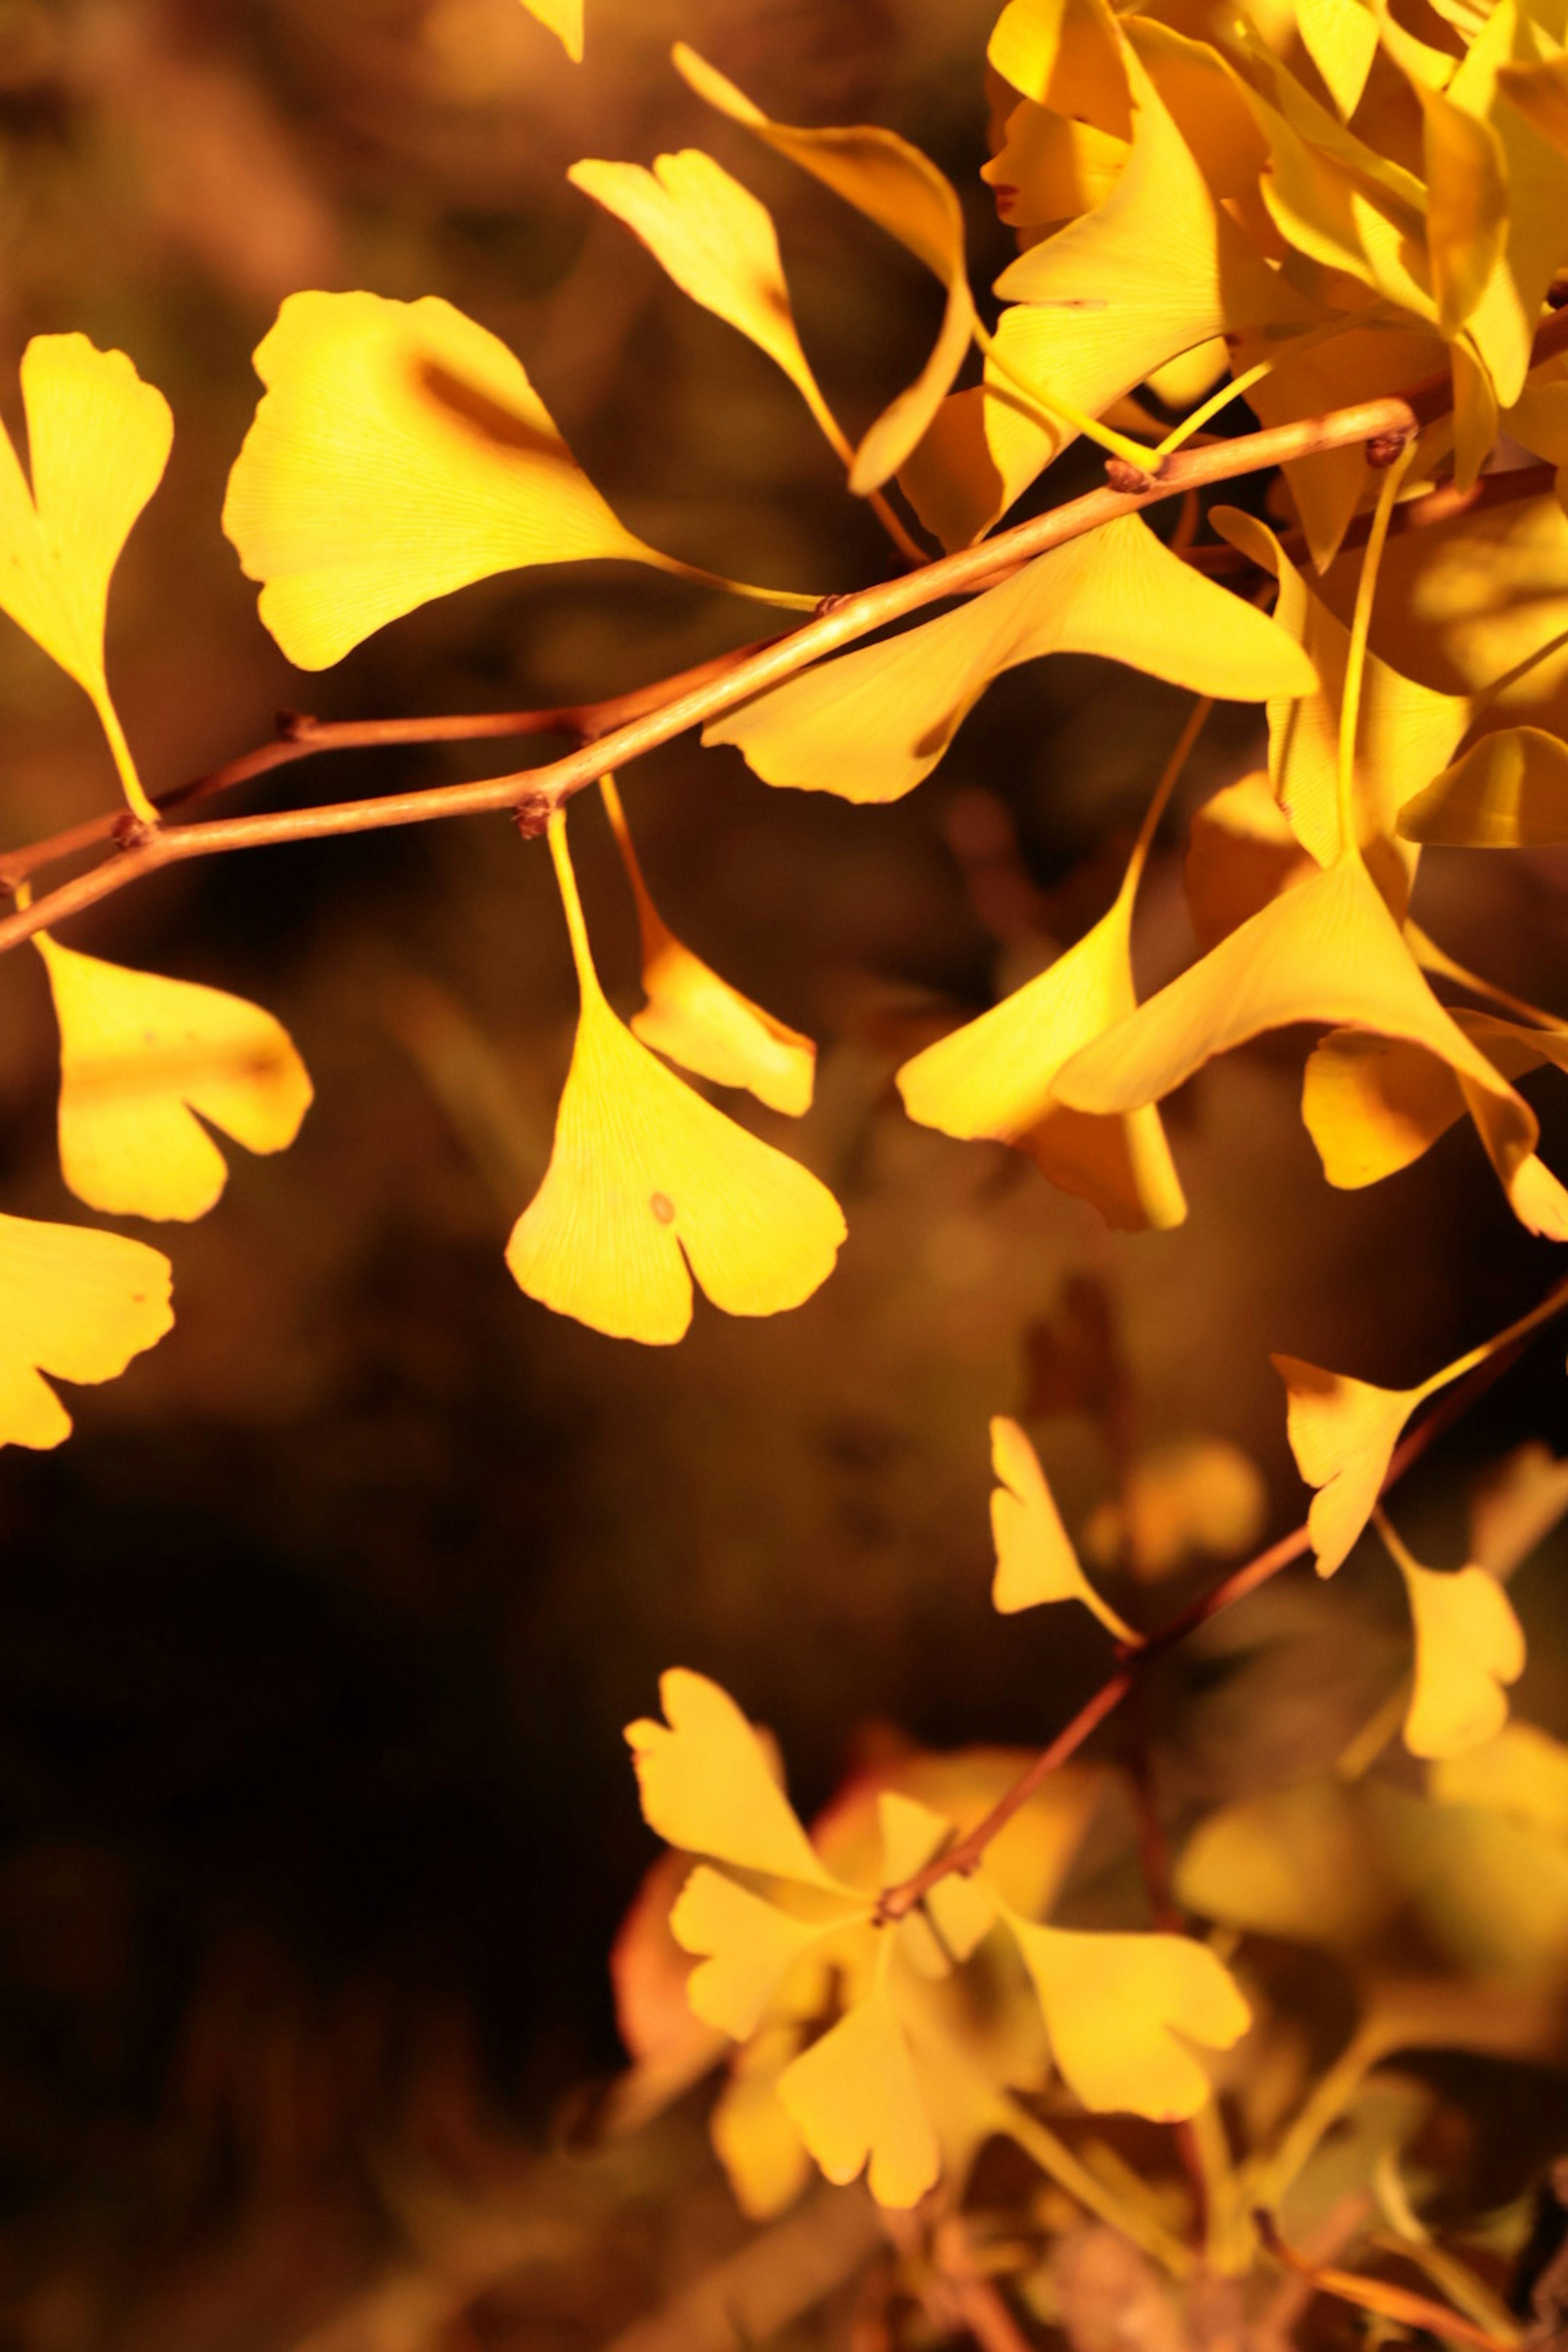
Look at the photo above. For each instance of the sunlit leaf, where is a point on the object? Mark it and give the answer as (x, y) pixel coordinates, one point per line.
(1121, 2011)
(563, 18)
(1487, 86)
(1341, 38)
(1343, 1434)
(1034, 1560)
(1509, 791)
(647, 1181)
(1373, 1106)
(74, 1305)
(717, 241)
(698, 1018)
(1327, 952)
(1467, 215)
(870, 724)
(399, 453)
(856, 2099)
(1052, 168)
(1521, 1774)
(898, 188)
(1514, 1506)
(1064, 54)
(748, 1946)
(140, 1057)
(1468, 1646)
(1241, 852)
(707, 1785)
(756, 2140)
(1299, 1863)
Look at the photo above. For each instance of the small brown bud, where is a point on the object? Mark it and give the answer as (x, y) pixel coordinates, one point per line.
(1384, 447)
(532, 814)
(1131, 480)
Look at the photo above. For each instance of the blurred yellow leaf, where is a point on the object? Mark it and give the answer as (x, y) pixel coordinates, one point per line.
(756, 2141)
(1514, 1504)
(1329, 952)
(718, 241)
(698, 1019)
(1343, 1434)
(870, 724)
(1521, 1774)
(139, 1056)
(77, 1305)
(1509, 791)
(899, 189)
(400, 453)
(1539, 92)
(1466, 205)
(97, 441)
(1468, 1646)
(1494, 81)
(747, 1945)
(855, 2098)
(1299, 1862)
(1121, 2012)
(706, 1784)
(1191, 1495)
(563, 18)
(646, 1180)
(1034, 1561)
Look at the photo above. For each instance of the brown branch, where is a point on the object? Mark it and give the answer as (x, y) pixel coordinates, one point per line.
(967, 1852)
(841, 623)
(1380, 2295)
(1440, 506)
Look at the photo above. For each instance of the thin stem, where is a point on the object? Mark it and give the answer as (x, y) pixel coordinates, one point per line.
(1380, 2295)
(1553, 1303)
(1058, 2163)
(1062, 412)
(1355, 656)
(576, 924)
(1297, 348)
(842, 624)
(838, 441)
(136, 799)
(1433, 957)
(788, 599)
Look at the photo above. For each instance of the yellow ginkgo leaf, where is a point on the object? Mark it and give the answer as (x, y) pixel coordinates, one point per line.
(1241, 852)
(1340, 202)
(1466, 205)
(1539, 92)
(707, 1784)
(1035, 1558)
(140, 1057)
(1190, 1495)
(77, 1305)
(719, 244)
(1509, 791)
(1299, 1862)
(1343, 1433)
(870, 724)
(855, 2098)
(698, 1019)
(1121, 2010)
(647, 1181)
(1495, 81)
(1373, 1106)
(747, 1945)
(1064, 54)
(1327, 952)
(564, 19)
(400, 453)
(1521, 1774)
(1468, 1646)
(1341, 38)
(1515, 1505)
(895, 185)
(755, 2141)
(97, 441)
(1053, 168)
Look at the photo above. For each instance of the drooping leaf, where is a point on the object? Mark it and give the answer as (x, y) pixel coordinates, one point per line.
(855, 2098)
(1035, 1558)
(564, 19)
(901, 190)
(140, 1057)
(701, 1021)
(76, 1305)
(1343, 1433)
(1329, 952)
(400, 453)
(754, 2138)
(718, 241)
(870, 724)
(647, 1181)
(747, 1945)
(1509, 791)
(1121, 2011)
(1241, 852)
(1373, 1106)
(707, 1786)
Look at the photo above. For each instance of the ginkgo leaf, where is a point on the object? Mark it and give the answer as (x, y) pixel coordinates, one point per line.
(707, 1785)
(698, 1019)
(97, 441)
(1539, 92)
(1521, 1774)
(718, 241)
(1035, 1558)
(901, 190)
(1064, 54)
(647, 1181)
(564, 19)
(1468, 1646)
(1190, 1495)
(400, 453)
(1121, 2010)
(1466, 205)
(1373, 1106)
(994, 1077)
(76, 1305)
(1515, 1505)
(870, 724)
(1489, 85)
(1341, 38)
(1241, 852)
(1299, 1862)
(1052, 168)
(756, 2142)
(1156, 270)
(1327, 952)
(747, 1945)
(1509, 791)
(855, 2098)
(1343, 1433)
(140, 1057)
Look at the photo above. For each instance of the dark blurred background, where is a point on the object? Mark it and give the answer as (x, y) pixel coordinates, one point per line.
(316, 1639)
